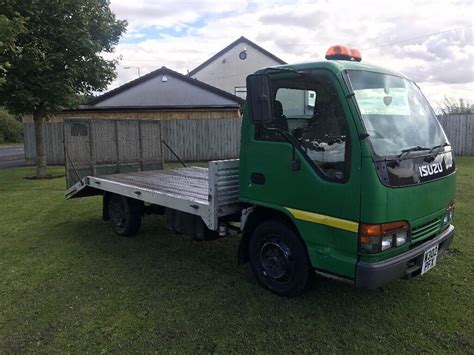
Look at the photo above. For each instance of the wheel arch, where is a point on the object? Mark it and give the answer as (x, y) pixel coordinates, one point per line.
(259, 215)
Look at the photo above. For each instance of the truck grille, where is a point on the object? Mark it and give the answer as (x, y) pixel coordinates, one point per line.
(426, 230)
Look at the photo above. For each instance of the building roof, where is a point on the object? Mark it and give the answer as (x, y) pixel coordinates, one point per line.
(187, 93)
(241, 40)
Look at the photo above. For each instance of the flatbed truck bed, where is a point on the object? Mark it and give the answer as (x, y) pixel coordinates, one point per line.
(210, 193)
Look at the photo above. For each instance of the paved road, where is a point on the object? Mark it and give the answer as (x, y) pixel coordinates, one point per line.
(11, 156)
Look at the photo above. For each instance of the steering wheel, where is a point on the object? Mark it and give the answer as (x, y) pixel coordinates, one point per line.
(311, 145)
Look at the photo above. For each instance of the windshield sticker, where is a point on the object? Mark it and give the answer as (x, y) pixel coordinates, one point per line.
(383, 101)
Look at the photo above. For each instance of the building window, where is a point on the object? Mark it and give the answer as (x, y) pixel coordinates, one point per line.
(79, 130)
(243, 55)
(241, 91)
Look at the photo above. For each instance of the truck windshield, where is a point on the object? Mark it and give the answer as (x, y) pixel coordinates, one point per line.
(395, 114)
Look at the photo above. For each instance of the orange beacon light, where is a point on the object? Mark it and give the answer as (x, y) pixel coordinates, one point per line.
(339, 52)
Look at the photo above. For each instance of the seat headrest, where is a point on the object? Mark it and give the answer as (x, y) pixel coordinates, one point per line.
(277, 108)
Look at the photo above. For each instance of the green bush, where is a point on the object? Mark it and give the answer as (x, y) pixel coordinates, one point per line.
(11, 130)
(459, 106)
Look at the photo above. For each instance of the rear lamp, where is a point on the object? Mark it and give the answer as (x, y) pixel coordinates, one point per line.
(375, 238)
(343, 53)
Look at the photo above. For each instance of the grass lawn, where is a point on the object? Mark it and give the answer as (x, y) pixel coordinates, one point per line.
(69, 284)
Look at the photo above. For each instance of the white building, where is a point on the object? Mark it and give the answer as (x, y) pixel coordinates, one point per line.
(228, 69)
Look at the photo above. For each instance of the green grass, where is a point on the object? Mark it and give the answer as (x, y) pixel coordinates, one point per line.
(69, 284)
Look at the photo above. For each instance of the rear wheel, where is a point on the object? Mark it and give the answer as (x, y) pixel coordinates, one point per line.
(125, 215)
(278, 259)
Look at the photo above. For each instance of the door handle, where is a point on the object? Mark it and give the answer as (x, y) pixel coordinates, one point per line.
(257, 178)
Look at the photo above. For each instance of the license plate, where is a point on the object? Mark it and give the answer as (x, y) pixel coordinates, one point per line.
(429, 259)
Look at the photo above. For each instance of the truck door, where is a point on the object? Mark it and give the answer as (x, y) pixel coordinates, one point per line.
(306, 163)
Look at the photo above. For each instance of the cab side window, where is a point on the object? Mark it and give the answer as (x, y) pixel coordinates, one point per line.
(311, 112)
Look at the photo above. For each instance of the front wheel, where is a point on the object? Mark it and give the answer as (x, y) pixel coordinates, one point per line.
(278, 259)
(125, 215)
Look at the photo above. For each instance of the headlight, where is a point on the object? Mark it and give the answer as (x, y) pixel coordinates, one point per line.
(374, 238)
(387, 242)
(449, 215)
(401, 237)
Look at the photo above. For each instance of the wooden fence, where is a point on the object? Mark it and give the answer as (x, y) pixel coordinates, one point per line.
(460, 132)
(195, 140)
(192, 140)
(54, 143)
(102, 147)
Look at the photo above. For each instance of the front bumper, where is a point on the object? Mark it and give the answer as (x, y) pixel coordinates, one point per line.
(406, 265)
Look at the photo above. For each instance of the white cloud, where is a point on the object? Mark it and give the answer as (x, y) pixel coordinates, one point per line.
(391, 34)
(168, 13)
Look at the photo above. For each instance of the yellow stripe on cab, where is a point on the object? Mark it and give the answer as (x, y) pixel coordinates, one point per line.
(326, 220)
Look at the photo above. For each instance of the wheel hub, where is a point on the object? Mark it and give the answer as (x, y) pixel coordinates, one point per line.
(118, 213)
(275, 258)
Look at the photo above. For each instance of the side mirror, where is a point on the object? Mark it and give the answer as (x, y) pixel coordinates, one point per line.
(259, 97)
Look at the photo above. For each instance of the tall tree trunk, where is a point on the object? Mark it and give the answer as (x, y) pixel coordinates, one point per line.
(39, 119)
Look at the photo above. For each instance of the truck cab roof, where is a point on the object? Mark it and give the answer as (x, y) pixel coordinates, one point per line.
(336, 66)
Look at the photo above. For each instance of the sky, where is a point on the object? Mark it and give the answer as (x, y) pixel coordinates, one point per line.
(432, 42)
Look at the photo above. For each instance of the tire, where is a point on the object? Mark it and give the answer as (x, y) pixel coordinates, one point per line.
(278, 259)
(125, 215)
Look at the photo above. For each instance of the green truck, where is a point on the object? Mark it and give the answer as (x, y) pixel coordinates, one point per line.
(344, 171)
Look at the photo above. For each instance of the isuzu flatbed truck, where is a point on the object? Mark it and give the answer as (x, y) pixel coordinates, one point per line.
(344, 171)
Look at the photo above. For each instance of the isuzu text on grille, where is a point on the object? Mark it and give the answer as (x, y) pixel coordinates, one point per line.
(430, 169)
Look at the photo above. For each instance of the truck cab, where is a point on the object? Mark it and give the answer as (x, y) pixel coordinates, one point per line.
(345, 170)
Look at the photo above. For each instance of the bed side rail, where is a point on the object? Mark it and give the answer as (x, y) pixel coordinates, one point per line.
(223, 189)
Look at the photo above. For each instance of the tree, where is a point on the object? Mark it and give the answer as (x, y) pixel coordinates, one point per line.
(11, 129)
(58, 56)
(9, 30)
(451, 106)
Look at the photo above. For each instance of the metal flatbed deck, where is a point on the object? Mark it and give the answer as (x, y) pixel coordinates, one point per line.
(207, 192)
(191, 184)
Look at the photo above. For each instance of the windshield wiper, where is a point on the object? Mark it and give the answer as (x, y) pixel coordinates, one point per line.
(412, 149)
(438, 148)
